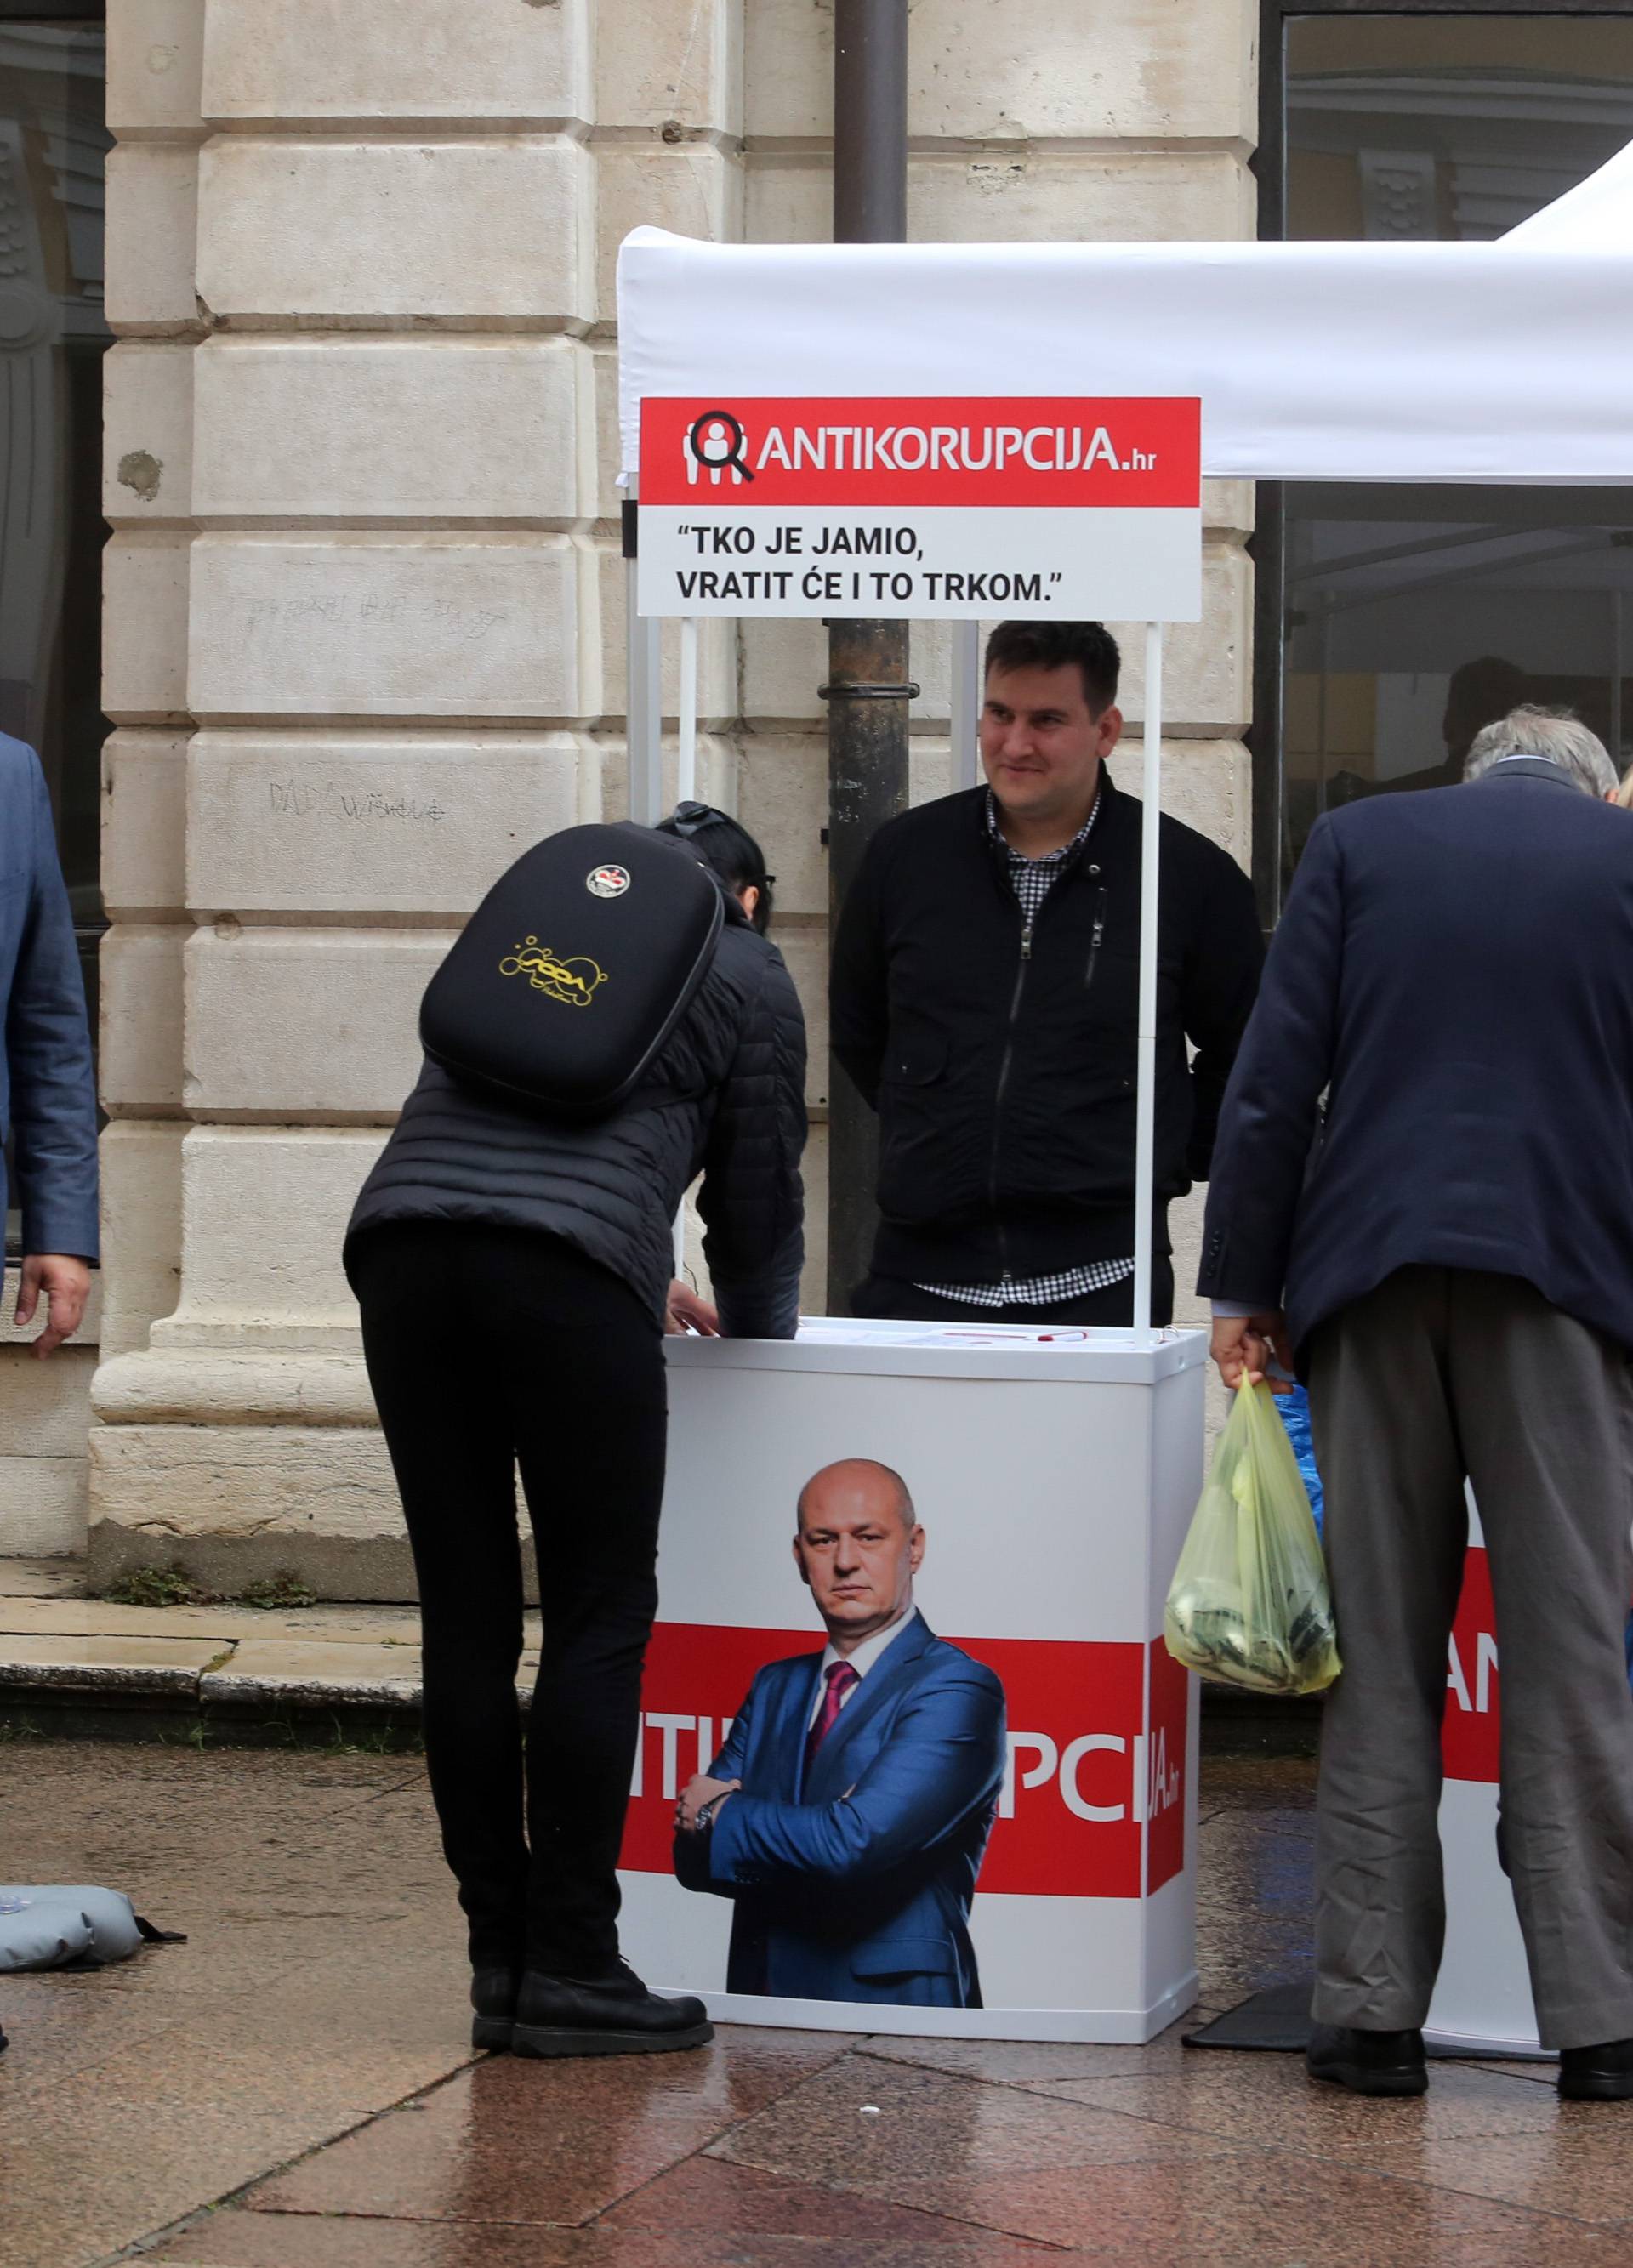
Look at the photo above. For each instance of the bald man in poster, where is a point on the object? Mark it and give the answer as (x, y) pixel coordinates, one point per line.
(848, 1812)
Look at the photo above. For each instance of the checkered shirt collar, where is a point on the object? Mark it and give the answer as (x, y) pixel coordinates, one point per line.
(1050, 858)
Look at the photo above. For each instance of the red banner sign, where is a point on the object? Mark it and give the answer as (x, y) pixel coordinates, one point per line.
(1473, 1725)
(908, 454)
(1087, 1771)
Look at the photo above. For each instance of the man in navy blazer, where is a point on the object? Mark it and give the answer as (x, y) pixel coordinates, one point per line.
(847, 1814)
(48, 1092)
(1447, 1255)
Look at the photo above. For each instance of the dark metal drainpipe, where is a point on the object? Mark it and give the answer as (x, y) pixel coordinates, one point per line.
(868, 689)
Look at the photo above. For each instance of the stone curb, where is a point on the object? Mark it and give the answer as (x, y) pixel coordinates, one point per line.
(231, 1669)
(207, 1694)
(73, 1665)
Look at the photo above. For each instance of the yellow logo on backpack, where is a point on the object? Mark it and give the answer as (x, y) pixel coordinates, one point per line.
(573, 982)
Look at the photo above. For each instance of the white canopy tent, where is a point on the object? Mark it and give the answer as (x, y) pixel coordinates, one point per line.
(1507, 362)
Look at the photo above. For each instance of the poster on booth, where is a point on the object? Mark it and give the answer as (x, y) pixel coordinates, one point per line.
(989, 1813)
(950, 507)
(1482, 1995)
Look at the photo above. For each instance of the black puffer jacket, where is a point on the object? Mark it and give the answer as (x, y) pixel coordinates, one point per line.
(728, 1100)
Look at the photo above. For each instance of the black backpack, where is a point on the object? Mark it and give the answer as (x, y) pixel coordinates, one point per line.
(574, 969)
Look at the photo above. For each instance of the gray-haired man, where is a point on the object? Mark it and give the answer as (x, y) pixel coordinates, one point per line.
(1557, 736)
(1453, 1270)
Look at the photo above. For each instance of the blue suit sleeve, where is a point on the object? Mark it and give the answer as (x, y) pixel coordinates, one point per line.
(692, 1851)
(1267, 1122)
(944, 1757)
(47, 1042)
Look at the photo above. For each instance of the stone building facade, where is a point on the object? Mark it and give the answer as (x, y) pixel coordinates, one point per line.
(365, 610)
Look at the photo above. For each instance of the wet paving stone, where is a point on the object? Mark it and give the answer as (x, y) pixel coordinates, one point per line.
(294, 2087)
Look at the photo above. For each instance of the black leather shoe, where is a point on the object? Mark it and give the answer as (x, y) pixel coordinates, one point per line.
(1368, 2062)
(611, 2015)
(493, 1997)
(1601, 2074)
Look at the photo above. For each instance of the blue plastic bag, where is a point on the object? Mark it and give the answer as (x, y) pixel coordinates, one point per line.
(1294, 1412)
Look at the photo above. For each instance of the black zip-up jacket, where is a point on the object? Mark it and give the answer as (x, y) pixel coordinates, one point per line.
(726, 1097)
(1001, 1064)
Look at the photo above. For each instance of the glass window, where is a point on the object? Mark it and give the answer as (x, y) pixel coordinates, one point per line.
(53, 151)
(1411, 616)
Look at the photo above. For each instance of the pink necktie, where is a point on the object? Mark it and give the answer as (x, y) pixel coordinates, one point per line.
(840, 1677)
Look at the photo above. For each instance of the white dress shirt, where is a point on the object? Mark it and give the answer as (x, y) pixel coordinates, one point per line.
(864, 1659)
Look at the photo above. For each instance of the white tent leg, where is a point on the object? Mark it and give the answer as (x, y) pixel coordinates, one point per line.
(645, 719)
(686, 780)
(1145, 1119)
(685, 789)
(966, 705)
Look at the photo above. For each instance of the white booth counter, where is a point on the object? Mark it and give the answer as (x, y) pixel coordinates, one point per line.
(1055, 1472)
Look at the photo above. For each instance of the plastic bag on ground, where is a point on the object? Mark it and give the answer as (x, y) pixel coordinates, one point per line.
(1249, 1604)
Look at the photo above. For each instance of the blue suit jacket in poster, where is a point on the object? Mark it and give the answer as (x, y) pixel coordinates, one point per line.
(858, 1886)
(48, 1090)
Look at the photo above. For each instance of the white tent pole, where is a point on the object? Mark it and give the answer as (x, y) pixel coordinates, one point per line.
(966, 704)
(685, 789)
(1145, 1107)
(643, 705)
(686, 773)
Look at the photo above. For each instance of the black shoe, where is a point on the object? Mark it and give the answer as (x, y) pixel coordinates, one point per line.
(609, 2015)
(1368, 2062)
(493, 1997)
(1601, 2074)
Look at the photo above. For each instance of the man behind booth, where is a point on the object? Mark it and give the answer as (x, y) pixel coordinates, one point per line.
(1453, 1270)
(985, 996)
(848, 1812)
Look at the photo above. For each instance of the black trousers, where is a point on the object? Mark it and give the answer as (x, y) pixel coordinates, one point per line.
(489, 1349)
(886, 1298)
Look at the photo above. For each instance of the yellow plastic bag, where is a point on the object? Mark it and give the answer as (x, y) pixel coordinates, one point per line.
(1249, 1604)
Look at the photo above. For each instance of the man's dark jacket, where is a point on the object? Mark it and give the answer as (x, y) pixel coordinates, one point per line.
(725, 1098)
(1004, 1080)
(1458, 967)
(48, 1090)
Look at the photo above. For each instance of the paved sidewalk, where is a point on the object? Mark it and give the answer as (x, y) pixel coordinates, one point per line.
(242, 1669)
(292, 2089)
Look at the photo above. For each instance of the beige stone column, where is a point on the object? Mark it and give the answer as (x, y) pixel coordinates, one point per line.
(154, 61)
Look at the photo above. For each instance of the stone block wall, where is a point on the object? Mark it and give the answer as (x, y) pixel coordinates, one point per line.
(365, 611)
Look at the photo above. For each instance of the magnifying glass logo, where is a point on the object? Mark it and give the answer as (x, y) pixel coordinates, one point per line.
(716, 440)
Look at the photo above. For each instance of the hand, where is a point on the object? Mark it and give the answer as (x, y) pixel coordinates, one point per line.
(1244, 1346)
(686, 1312)
(66, 1283)
(697, 1792)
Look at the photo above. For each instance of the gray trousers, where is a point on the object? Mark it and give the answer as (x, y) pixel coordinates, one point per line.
(1437, 1374)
